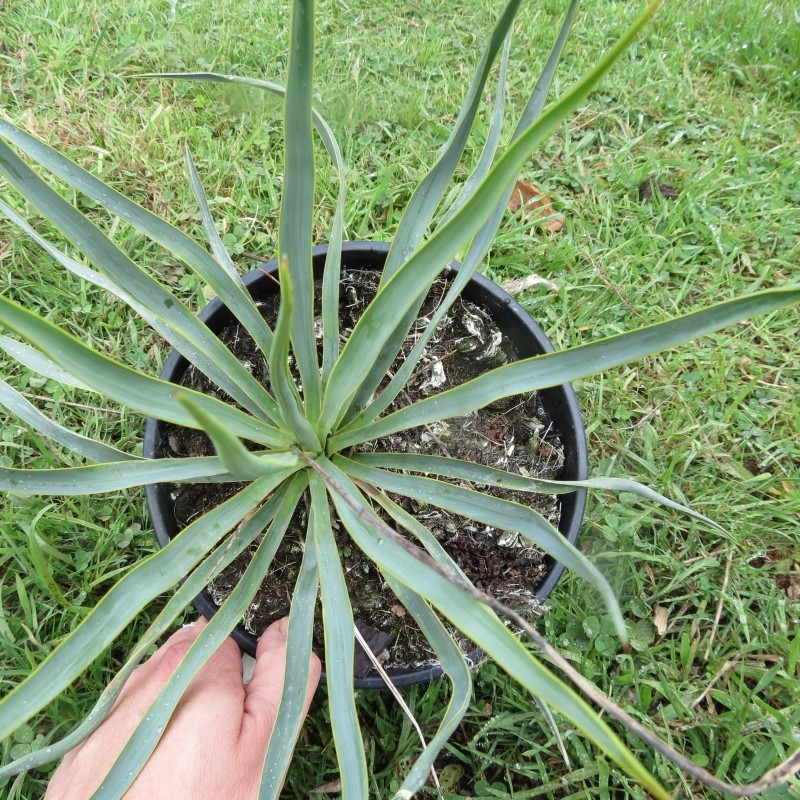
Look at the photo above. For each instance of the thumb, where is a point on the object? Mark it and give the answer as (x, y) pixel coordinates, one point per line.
(263, 695)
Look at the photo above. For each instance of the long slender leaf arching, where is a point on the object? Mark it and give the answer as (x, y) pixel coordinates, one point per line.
(553, 369)
(216, 562)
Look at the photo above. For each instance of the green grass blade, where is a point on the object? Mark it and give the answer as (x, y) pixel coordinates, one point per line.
(139, 392)
(337, 620)
(280, 377)
(190, 337)
(294, 239)
(134, 282)
(140, 746)
(39, 363)
(111, 477)
(487, 632)
(429, 193)
(553, 369)
(212, 566)
(231, 293)
(453, 665)
(237, 460)
(493, 511)
(16, 404)
(298, 660)
(477, 473)
(553, 725)
(214, 240)
(148, 579)
(413, 279)
(480, 245)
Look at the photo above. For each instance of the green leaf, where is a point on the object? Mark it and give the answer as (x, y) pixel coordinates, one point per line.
(140, 746)
(16, 404)
(322, 127)
(39, 363)
(412, 280)
(413, 526)
(553, 369)
(147, 395)
(191, 338)
(298, 198)
(134, 283)
(497, 513)
(111, 477)
(232, 294)
(217, 247)
(289, 718)
(477, 473)
(240, 462)
(453, 665)
(213, 565)
(337, 620)
(479, 246)
(477, 176)
(553, 725)
(332, 273)
(389, 353)
(148, 579)
(280, 377)
(489, 633)
(428, 194)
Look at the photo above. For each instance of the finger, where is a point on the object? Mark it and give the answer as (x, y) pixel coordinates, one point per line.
(143, 686)
(263, 695)
(220, 677)
(147, 680)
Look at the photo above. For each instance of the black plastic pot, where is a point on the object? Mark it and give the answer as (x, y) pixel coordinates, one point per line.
(560, 404)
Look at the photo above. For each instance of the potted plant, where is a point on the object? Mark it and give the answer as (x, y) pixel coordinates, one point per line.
(557, 405)
(301, 432)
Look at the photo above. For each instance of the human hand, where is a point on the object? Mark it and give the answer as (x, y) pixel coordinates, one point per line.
(214, 744)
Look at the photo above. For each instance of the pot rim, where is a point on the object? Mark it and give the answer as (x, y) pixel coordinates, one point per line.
(560, 402)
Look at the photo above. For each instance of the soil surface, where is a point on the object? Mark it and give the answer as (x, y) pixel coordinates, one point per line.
(512, 434)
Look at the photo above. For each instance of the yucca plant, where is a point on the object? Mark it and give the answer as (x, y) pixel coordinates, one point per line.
(306, 430)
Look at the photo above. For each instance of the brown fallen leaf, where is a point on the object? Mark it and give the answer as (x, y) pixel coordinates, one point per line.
(535, 205)
(660, 620)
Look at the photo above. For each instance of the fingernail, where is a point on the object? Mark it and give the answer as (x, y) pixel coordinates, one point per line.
(283, 625)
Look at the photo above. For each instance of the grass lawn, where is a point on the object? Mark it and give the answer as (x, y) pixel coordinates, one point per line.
(706, 102)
